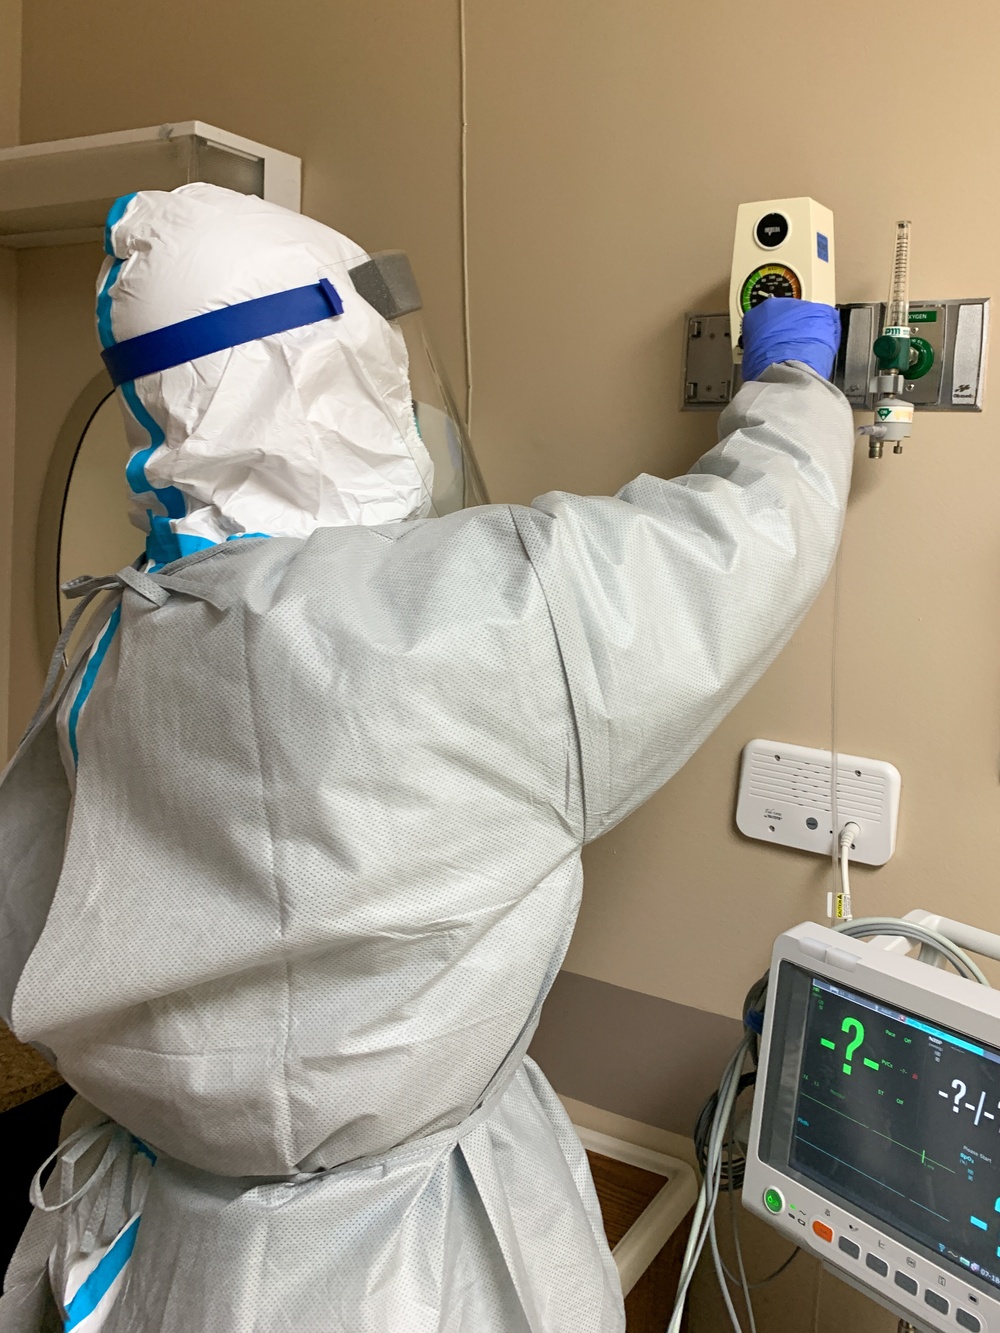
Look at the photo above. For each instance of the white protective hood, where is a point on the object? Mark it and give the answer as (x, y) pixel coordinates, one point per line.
(309, 428)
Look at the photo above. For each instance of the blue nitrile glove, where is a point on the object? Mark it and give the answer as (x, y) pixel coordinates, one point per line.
(784, 329)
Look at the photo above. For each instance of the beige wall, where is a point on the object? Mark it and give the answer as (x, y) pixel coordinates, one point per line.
(603, 204)
(10, 109)
(609, 148)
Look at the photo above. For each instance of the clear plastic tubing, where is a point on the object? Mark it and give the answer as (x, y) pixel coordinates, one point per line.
(897, 315)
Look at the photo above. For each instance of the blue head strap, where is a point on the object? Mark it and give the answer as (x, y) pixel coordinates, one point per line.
(218, 330)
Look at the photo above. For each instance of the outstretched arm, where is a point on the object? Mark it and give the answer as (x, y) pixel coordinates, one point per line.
(672, 598)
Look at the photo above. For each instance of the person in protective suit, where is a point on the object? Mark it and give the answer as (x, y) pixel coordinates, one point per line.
(290, 858)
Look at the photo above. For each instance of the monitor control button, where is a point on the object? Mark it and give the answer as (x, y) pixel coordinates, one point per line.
(774, 1200)
(936, 1302)
(822, 1230)
(969, 1321)
(877, 1265)
(906, 1282)
(849, 1247)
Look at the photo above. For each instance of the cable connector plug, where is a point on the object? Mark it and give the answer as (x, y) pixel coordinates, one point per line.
(848, 834)
(840, 907)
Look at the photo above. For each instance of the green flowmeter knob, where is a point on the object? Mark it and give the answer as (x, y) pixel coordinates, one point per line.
(892, 352)
(921, 359)
(886, 348)
(774, 1201)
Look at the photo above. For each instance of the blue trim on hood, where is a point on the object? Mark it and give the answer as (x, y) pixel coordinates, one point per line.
(164, 545)
(115, 214)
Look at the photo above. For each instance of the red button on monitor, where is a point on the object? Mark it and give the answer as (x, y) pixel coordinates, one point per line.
(823, 1231)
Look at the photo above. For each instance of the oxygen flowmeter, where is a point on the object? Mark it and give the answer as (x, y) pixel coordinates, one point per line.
(783, 247)
(900, 356)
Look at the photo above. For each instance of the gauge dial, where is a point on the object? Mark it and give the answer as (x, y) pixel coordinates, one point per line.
(769, 280)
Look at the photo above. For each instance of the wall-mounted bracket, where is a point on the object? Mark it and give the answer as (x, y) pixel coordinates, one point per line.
(709, 371)
(59, 193)
(957, 331)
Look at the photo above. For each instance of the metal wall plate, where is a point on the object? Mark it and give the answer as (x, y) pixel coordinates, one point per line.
(957, 330)
(855, 363)
(967, 343)
(709, 371)
(929, 322)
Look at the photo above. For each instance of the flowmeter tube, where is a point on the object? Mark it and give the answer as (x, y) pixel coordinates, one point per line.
(894, 351)
(898, 305)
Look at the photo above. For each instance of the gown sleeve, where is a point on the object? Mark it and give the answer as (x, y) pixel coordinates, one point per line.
(672, 598)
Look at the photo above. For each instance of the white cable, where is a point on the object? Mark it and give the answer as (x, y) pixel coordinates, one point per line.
(913, 930)
(844, 843)
(723, 1285)
(463, 69)
(737, 1243)
(695, 1245)
(702, 1222)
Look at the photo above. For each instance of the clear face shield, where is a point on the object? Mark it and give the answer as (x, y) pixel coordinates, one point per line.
(387, 283)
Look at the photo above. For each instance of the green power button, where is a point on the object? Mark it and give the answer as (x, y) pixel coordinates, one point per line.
(774, 1201)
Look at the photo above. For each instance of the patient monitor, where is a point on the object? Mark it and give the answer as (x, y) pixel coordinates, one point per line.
(875, 1139)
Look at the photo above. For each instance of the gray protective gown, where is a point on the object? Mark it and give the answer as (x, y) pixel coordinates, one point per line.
(323, 862)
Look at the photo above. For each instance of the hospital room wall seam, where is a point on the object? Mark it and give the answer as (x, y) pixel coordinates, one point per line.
(280, 903)
(463, 192)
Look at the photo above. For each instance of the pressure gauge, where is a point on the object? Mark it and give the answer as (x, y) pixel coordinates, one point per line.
(769, 280)
(782, 248)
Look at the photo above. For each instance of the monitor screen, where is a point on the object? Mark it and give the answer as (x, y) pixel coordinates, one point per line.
(893, 1114)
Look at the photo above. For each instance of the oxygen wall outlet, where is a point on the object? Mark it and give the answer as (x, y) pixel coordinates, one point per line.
(786, 793)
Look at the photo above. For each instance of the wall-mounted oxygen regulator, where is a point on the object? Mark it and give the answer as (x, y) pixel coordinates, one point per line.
(894, 357)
